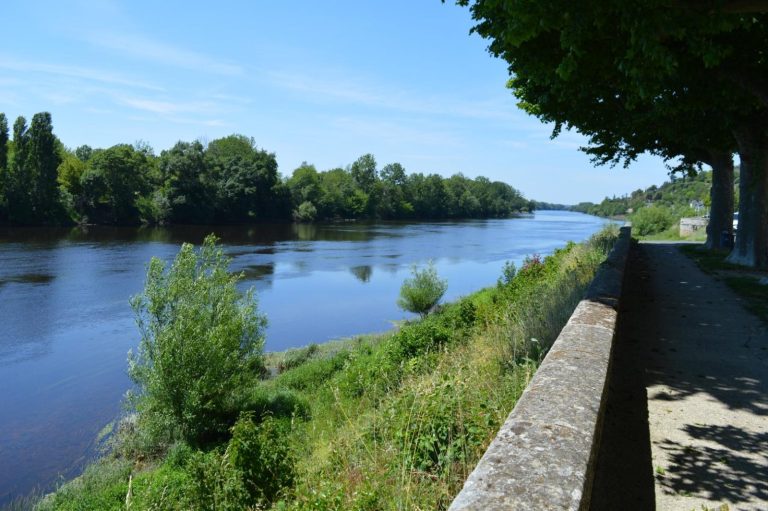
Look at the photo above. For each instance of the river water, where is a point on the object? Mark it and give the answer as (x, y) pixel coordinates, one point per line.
(66, 326)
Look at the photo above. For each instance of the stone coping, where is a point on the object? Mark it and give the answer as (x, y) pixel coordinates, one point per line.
(543, 456)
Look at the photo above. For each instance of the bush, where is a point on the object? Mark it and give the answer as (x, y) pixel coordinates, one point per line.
(421, 293)
(306, 212)
(296, 357)
(201, 341)
(215, 483)
(262, 454)
(508, 273)
(652, 220)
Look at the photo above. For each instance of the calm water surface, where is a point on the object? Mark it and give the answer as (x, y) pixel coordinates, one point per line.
(66, 326)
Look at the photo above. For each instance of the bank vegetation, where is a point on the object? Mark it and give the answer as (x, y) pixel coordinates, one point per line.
(388, 422)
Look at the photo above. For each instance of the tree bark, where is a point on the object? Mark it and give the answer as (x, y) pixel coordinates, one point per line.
(721, 199)
(751, 247)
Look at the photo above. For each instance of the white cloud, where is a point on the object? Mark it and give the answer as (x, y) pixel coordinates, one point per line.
(83, 73)
(147, 49)
(166, 107)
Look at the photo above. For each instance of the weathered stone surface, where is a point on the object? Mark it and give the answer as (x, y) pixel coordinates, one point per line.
(542, 456)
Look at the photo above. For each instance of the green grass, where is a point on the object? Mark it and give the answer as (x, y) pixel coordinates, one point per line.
(673, 234)
(711, 261)
(395, 421)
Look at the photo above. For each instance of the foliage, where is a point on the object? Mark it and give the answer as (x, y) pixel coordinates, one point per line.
(421, 292)
(306, 212)
(617, 73)
(295, 358)
(508, 272)
(652, 220)
(201, 340)
(262, 453)
(678, 193)
(113, 182)
(229, 180)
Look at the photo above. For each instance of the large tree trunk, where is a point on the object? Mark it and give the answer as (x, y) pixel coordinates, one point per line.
(721, 199)
(751, 247)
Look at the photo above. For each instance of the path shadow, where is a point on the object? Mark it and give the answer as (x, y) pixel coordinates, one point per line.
(717, 473)
(623, 469)
(707, 321)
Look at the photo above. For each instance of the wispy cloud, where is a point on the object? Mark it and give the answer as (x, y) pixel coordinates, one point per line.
(358, 92)
(167, 107)
(148, 49)
(83, 73)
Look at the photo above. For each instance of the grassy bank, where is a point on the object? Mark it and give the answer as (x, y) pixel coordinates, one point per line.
(395, 421)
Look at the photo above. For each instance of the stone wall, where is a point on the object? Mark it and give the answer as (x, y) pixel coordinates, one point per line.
(693, 224)
(543, 456)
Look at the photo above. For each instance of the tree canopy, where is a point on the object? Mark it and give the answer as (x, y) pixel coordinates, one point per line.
(675, 79)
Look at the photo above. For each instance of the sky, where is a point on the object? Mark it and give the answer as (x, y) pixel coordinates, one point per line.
(321, 82)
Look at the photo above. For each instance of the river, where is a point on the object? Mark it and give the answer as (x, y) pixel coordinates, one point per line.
(66, 326)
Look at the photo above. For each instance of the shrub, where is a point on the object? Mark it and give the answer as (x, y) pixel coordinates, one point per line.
(421, 293)
(306, 212)
(652, 220)
(288, 403)
(262, 454)
(296, 357)
(215, 483)
(508, 273)
(201, 339)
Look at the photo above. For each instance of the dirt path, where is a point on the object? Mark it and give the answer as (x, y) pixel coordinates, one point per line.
(689, 347)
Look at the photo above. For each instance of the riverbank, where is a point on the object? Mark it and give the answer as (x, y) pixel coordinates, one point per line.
(392, 422)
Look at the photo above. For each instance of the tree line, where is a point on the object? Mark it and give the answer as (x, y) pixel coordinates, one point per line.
(682, 80)
(229, 180)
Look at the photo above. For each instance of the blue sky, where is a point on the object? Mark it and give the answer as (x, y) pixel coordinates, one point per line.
(322, 82)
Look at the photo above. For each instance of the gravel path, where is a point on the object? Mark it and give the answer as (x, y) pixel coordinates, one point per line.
(688, 346)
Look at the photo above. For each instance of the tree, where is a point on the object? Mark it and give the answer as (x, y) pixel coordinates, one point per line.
(3, 162)
(364, 173)
(245, 180)
(420, 293)
(70, 174)
(113, 182)
(610, 62)
(17, 193)
(201, 340)
(42, 162)
(304, 184)
(185, 183)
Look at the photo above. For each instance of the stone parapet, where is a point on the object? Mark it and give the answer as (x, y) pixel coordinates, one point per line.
(543, 456)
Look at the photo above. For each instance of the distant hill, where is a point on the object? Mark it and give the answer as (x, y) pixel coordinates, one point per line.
(682, 195)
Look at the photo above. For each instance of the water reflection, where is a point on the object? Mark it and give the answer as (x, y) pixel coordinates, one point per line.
(362, 273)
(65, 322)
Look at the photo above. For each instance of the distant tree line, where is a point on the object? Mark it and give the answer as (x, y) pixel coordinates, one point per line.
(229, 180)
(551, 206)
